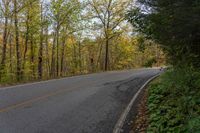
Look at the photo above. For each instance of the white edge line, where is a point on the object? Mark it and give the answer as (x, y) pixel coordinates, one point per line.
(120, 122)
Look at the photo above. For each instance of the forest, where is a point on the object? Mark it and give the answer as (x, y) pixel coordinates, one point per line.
(43, 39)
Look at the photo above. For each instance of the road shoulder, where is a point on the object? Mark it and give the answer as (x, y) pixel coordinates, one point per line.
(124, 122)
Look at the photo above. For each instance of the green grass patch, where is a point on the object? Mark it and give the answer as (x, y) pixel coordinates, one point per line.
(174, 102)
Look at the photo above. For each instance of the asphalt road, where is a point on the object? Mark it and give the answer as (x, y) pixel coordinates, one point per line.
(81, 104)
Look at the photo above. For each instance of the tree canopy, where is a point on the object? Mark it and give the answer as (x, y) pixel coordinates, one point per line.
(42, 39)
(174, 24)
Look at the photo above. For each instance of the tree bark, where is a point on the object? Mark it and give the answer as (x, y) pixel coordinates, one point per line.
(10, 54)
(80, 61)
(18, 71)
(107, 56)
(57, 56)
(26, 42)
(40, 56)
(47, 52)
(5, 36)
(62, 56)
(53, 57)
(32, 58)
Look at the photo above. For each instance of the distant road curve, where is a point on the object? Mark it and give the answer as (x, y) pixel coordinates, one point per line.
(81, 104)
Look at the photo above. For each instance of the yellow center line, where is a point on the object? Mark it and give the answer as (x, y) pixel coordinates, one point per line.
(14, 106)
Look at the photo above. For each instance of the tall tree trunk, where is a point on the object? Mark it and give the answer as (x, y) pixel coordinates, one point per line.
(53, 57)
(107, 56)
(10, 54)
(47, 52)
(74, 59)
(5, 36)
(32, 58)
(18, 71)
(99, 57)
(40, 59)
(40, 56)
(57, 56)
(62, 57)
(80, 61)
(26, 42)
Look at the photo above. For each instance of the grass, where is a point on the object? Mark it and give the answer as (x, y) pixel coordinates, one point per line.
(174, 102)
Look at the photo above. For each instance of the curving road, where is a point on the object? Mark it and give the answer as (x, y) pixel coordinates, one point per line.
(80, 104)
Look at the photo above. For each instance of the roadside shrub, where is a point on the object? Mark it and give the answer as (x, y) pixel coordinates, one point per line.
(174, 102)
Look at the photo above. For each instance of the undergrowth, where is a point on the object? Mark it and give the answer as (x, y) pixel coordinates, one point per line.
(174, 102)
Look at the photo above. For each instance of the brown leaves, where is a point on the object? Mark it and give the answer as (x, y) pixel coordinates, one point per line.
(141, 123)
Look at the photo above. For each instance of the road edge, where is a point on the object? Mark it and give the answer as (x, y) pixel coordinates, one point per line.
(118, 126)
(60, 78)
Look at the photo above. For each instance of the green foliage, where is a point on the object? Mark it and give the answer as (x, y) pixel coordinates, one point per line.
(141, 44)
(173, 24)
(174, 104)
(150, 62)
(56, 38)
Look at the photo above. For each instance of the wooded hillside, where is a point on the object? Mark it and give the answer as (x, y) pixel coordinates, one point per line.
(42, 39)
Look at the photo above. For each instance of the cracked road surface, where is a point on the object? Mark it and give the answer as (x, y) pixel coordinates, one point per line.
(81, 104)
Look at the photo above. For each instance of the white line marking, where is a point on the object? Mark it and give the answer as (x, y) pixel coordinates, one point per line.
(120, 122)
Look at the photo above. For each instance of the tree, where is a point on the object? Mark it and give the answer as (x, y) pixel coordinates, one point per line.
(40, 52)
(62, 12)
(110, 14)
(173, 24)
(4, 7)
(16, 10)
(42, 39)
(31, 17)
